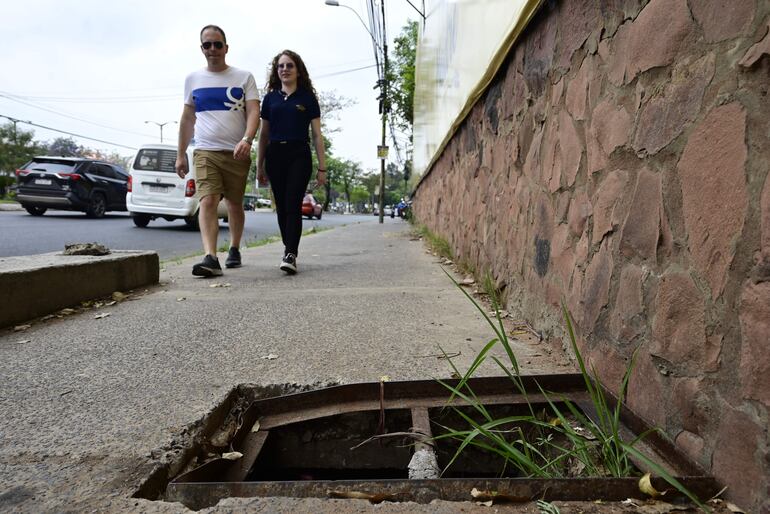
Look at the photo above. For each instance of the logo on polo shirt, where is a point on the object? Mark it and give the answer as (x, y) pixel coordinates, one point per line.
(300, 107)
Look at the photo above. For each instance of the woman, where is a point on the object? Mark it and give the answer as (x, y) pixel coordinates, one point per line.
(289, 107)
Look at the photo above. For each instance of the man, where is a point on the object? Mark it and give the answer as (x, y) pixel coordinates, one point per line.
(221, 109)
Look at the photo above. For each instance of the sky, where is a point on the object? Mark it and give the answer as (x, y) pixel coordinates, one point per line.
(101, 69)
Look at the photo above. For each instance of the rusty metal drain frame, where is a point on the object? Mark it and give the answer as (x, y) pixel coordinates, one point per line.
(220, 478)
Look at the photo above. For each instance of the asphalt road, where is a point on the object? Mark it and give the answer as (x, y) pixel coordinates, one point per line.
(22, 234)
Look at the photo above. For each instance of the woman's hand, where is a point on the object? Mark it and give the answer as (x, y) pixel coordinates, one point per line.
(262, 179)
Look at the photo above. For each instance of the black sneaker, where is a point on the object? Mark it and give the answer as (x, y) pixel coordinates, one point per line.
(289, 264)
(208, 267)
(233, 258)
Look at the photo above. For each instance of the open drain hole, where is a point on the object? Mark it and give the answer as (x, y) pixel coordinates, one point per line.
(376, 441)
(321, 449)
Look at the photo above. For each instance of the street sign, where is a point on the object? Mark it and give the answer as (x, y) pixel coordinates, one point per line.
(382, 152)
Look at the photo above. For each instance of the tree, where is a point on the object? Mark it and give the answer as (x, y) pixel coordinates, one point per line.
(16, 148)
(401, 78)
(65, 147)
(331, 105)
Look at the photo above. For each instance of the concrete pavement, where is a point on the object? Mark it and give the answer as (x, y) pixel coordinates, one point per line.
(91, 404)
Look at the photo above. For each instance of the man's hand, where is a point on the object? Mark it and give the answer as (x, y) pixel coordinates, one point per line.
(181, 166)
(242, 151)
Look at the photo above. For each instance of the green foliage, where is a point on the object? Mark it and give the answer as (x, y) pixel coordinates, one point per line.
(16, 148)
(490, 288)
(542, 447)
(401, 77)
(65, 147)
(438, 244)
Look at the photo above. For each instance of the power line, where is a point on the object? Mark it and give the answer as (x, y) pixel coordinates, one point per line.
(65, 132)
(343, 72)
(13, 98)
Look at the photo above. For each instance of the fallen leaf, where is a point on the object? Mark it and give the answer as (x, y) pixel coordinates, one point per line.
(645, 486)
(384, 378)
(255, 428)
(270, 356)
(485, 504)
(181, 299)
(67, 312)
(555, 422)
(467, 281)
(232, 455)
(23, 341)
(102, 315)
(110, 304)
(629, 501)
(734, 508)
(220, 284)
(118, 296)
(19, 328)
(46, 318)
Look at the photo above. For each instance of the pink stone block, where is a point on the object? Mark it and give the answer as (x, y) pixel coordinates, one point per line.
(736, 462)
(628, 321)
(723, 19)
(754, 364)
(715, 200)
(657, 35)
(642, 225)
(679, 331)
(606, 209)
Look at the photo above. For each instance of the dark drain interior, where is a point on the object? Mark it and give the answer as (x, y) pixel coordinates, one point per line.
(321, 449)
(375, 440)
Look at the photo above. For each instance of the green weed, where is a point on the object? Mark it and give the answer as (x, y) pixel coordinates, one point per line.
(562, 440)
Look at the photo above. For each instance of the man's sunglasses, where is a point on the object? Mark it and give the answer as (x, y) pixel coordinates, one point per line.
(217, 44)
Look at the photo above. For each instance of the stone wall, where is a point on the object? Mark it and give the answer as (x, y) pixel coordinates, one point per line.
(619, 162)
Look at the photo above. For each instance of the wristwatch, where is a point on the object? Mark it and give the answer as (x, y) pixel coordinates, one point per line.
(247, 139)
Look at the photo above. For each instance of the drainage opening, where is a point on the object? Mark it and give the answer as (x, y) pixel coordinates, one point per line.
(321, 449)
(384, 441)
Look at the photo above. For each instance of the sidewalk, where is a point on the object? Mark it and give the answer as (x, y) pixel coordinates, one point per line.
(11, 207)
(90, 406)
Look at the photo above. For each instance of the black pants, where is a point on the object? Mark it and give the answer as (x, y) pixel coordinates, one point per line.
(289, 166)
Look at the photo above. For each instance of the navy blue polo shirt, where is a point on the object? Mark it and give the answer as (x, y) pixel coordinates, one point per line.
(289, 116)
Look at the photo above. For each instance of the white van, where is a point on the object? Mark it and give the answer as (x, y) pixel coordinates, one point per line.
(156, 191)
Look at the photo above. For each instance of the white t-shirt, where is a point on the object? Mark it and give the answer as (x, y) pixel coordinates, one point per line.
(220, 100)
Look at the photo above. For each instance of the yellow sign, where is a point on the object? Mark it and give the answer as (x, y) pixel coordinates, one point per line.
(382, 152)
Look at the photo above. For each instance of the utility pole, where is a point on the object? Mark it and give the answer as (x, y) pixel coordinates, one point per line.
(384, 93)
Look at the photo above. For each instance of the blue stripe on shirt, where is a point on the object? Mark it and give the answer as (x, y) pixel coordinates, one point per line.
(218, 99)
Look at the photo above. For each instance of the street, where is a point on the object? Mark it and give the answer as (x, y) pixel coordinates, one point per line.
(22, 234)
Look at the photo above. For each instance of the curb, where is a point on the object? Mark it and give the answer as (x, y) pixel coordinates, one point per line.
(36, 285)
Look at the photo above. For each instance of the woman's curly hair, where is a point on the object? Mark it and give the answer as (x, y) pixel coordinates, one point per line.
(303, 77)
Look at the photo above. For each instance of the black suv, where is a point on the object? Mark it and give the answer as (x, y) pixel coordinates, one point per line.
(71, 183)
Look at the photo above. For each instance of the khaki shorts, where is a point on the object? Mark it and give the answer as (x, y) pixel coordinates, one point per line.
(218, 173)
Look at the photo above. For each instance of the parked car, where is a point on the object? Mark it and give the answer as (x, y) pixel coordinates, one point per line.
(249, 202)
(310, 207)
(252, 202)
(156, 191)
(73, 184)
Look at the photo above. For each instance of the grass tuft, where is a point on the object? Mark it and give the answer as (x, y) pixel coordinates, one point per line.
(561, 441)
